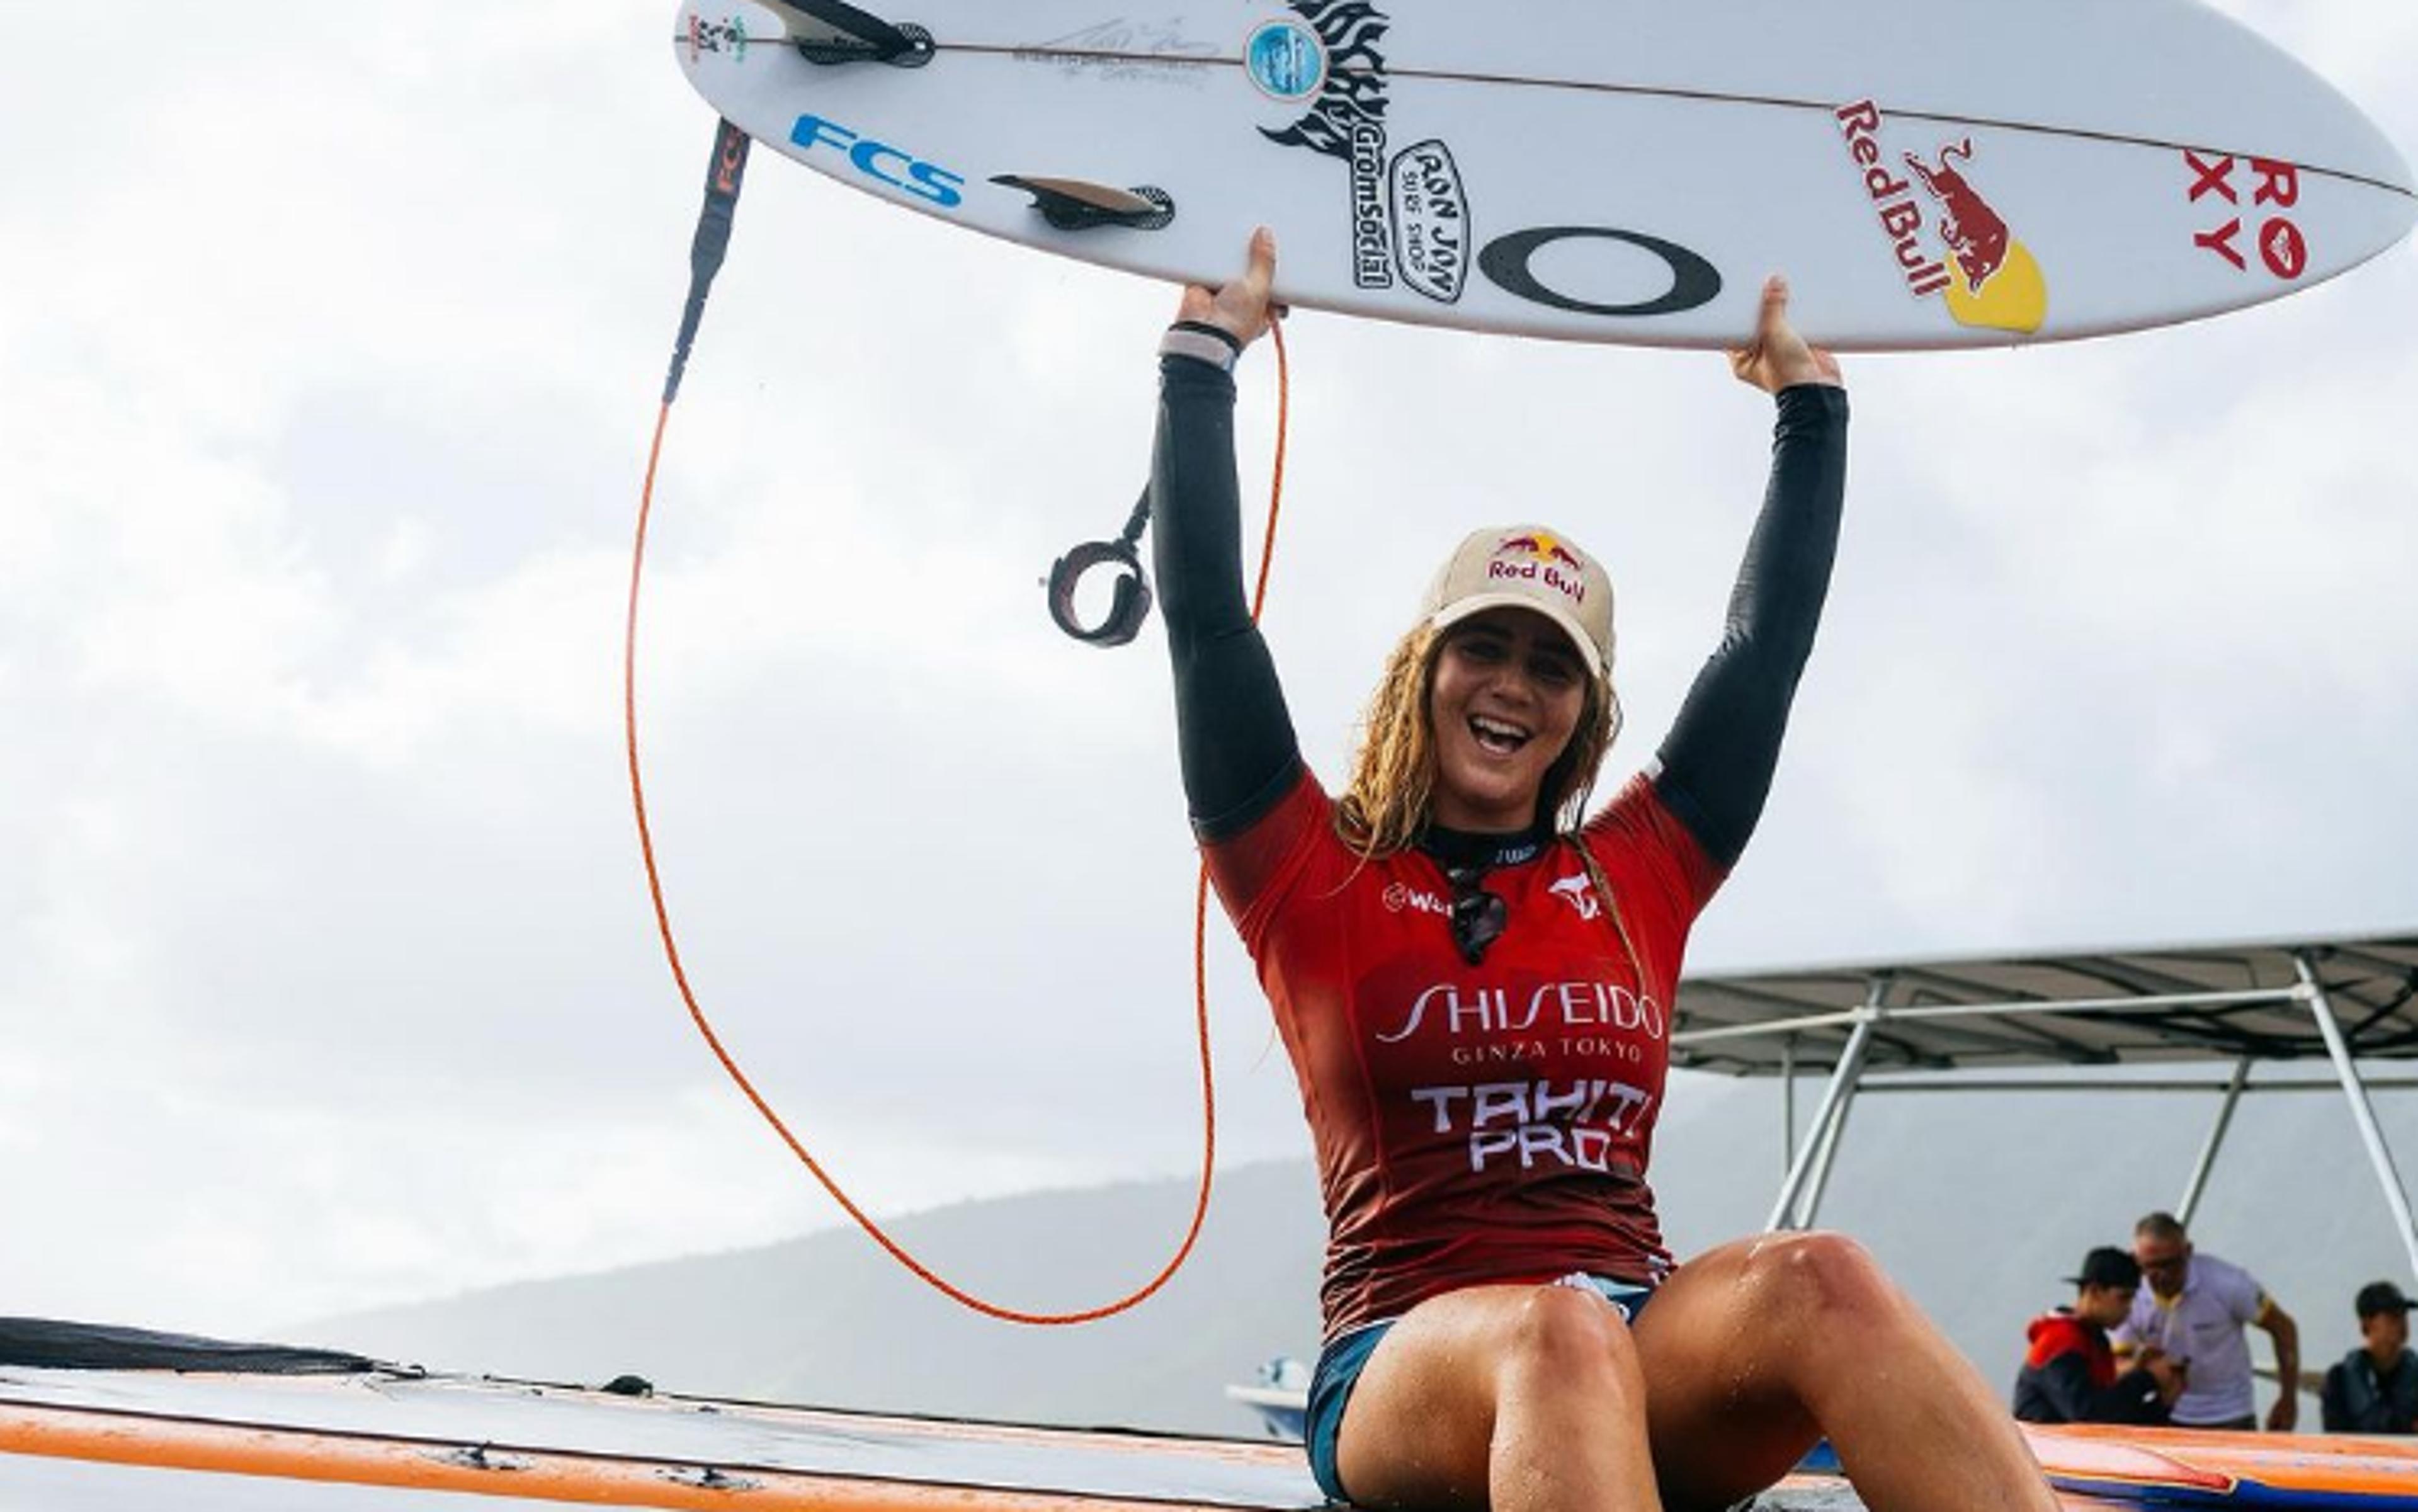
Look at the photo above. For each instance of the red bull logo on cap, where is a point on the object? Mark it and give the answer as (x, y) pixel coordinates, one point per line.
(1540, 556)
(1994, 282)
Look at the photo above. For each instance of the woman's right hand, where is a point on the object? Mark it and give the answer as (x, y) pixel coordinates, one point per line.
(1241, 309)
(1777, 357)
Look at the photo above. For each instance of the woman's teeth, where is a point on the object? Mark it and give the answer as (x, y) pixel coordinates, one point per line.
(1497, 735)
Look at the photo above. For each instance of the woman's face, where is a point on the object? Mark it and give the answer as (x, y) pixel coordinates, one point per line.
(1506, 698)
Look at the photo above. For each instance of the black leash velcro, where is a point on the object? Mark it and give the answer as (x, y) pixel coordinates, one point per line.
(723, 175)
(1131, 605)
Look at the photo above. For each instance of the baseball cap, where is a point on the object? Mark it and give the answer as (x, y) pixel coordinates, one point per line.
(2108, 1266)
(2382, 1296)
(1528, 567)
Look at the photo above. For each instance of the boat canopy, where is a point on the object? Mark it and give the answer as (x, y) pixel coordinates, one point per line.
(2232, 1017)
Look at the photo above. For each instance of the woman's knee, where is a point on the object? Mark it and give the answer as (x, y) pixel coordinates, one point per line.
(1569, 1337)
(1823, 1283)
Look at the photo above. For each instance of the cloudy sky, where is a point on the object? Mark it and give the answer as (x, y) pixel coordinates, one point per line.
(330, 343)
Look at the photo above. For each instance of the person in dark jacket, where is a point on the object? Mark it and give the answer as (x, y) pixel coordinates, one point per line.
(2069, 1374)
(2374, 1389)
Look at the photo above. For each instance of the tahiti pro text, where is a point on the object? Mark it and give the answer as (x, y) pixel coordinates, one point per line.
(1534, 1121)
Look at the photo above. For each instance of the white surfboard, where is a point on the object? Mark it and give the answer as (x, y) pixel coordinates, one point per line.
(1949, 173)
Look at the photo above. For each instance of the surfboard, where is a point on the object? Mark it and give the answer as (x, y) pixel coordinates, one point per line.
(103, 1417)
(2166, 1467)
(389, 1442)
(1942, 174)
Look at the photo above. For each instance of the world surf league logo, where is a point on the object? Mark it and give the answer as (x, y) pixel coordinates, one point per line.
(1347, 119)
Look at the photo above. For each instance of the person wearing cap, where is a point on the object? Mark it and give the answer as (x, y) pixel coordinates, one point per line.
(2196, 1309)
(1474, 978)
(2069, 1374)
(2374, 1389)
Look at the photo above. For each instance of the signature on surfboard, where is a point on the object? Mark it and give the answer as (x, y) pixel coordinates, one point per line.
(1150, 50)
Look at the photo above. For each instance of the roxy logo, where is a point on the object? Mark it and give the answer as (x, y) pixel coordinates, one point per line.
(1491, 1011)
(2280, 244)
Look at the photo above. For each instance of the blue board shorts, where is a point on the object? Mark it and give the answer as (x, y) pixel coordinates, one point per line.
(1339, 1365)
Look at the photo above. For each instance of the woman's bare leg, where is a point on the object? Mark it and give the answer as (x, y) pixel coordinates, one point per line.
(1521, 1398)
(1752, 1349)
(1540, 1398)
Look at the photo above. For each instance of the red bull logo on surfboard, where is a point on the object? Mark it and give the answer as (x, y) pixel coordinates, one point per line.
(1967, 255)
(1973, 232)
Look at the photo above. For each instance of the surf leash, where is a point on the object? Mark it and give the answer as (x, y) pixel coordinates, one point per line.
(1129, 606)
(725, 173)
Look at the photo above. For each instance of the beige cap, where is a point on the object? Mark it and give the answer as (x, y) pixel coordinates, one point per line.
(1530, 567)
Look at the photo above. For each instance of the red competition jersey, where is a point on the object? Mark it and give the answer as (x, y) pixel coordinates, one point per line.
(1473, 1124)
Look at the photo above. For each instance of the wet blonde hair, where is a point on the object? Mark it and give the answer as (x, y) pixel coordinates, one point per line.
(1392, 791)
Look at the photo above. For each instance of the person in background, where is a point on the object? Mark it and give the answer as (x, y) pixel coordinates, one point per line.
(2194, 1309)
(2374, 1389)
(2069, 1374)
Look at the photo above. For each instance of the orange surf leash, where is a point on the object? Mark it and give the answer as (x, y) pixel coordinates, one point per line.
(724, 174)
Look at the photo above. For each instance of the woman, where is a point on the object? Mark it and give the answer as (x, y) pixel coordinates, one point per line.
(1474, 990)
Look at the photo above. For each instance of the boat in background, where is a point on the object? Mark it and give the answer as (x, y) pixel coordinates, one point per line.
(2230, 1017)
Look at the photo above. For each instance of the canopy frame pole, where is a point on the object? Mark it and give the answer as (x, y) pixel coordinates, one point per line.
(2206, 1166)
(1787, 1104)
(1821, 1140)
(2379, 1155)
(1811, 1205)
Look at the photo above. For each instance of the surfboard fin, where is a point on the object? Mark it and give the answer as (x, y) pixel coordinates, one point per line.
(1074, 204)
(832, 32)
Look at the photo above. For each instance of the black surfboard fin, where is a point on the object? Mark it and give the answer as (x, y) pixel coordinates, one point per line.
(1074, 204)
(832, 31)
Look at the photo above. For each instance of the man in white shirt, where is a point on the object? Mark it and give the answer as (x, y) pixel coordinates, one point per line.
(2194, 1308)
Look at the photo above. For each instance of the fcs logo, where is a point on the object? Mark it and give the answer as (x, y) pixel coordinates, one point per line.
(883, 163)
(1576, 892)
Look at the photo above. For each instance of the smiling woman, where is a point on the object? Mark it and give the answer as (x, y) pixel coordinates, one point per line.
(1456, 918)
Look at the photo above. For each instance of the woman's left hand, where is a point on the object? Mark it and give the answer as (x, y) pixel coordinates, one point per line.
(1777, 357)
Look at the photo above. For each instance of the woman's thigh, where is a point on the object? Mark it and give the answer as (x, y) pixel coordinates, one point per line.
(1421, 1428)
(1722, 1349)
